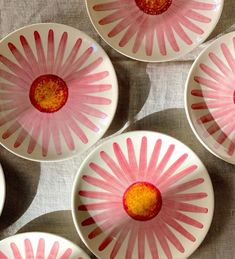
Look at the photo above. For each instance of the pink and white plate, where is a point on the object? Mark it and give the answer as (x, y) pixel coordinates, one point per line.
(58, 92)
(210, 98)
(142, 195)
(154, 30)
(36, 245)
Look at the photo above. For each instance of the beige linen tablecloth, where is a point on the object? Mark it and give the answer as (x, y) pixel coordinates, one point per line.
(151, 98)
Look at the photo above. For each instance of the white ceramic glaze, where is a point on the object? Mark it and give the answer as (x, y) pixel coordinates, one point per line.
(210, 98)
(35, 245)
(58, 92)
(174, 220)
(154, 31)
(2, 190)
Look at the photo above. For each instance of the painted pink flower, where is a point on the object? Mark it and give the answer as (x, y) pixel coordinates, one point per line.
(142, 202)
(40, 253)
(140, 21)
(51, 94)
(216, 98)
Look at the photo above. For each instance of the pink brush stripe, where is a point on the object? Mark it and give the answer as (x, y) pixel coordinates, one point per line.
(116, 217)
(40, 248)
(174, 179)
(66, 72)
(92, 111)
(149, 39)
(100, 195)
(84, 71)
(154, 160)
(67, 254)
(119, 241)
(176, 26)
(89, 88)
(60, 52)
(100, 206)
(209, 83)
(131, 243)
(28, 249)
(132, 30)
(114, 167)
(107, 176)
(173, 168)
(187, 207)
(132, 157)
(227, 54)
(202, 6)
(190, 196)
(115, 16)
(15, 251)
(171, 37)
(123, 162)
(162, 240)
(143, 158)
(175, 225)
(50, 51)
(101, 184)
(18, 71)
(46, 134)
(3, 256)
(139, 36)
(190, 25)
(141, 243)
(54, 251)
(30, 56)
(161, 166)
(109, 238)
(66, 133)
(152, 244)
(109, 6)
(184, 186)
(21, 59)
(93, 77)
(56, 138)
(40, 53)
(34, 136)
(72, 56)
(14, 79)
(161, 39)
(172, 238)
(197, 16)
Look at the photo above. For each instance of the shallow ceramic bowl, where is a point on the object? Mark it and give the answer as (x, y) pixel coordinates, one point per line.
(210, 98)
(154, 30)
(36, 245)
(2, 190)
(142, 195)
(58, 92)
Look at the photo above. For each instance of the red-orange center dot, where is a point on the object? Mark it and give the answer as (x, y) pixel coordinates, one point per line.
(48, 93)
(153, 7)
(142, 201)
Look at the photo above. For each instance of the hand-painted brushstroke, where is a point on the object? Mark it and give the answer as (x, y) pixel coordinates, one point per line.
(108, 211)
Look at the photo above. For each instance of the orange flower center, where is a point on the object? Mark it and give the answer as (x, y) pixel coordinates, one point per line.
(142, 201)
(153, 7)
(48, 93)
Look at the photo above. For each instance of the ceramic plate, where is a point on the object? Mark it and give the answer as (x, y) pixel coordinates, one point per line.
(154, 30)
(142, 195)
(2, 190)
(39, 246)
(58, 92)
(210, 98)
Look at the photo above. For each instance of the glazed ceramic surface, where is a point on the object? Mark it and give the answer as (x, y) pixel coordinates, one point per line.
(210, 98)
(58, 92)
(2, 189)
(154, 30)
(142, 195)
(36, 245)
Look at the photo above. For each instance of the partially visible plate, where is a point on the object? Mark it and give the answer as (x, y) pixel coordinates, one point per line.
(142, 195)
(36, 245)
(58, 92)
(210, 98)
(2, 189)
(154, 31)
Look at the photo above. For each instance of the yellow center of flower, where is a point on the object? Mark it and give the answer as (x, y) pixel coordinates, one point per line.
(153, 7)
(142, 201)
(48, 93)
